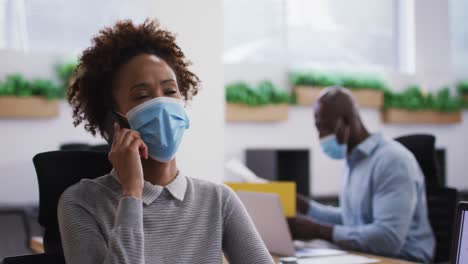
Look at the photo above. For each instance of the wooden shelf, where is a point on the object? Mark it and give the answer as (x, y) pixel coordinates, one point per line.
(28, 107)
(401, 116)
(307, 95)
(267, 113)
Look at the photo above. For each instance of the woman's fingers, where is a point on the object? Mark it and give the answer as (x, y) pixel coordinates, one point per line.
(137, 144)
(128, 137)
(143, 150)
(116, 134)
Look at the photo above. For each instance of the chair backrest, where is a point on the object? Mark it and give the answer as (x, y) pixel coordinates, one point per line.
(56, 171)
(442, 203)
(423, 148)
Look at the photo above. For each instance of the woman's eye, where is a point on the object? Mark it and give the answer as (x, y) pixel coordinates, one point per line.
(171, 92)
(141, 97)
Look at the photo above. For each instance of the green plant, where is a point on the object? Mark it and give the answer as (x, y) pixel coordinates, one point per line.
(17, 85)
(356, 82)
(264, 93)
(414, 99)
(313, 79)
(462, 87)
(64, 72)
(350, 81)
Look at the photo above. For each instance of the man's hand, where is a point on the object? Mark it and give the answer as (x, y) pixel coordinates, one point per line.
(305, 228)
(302, 204)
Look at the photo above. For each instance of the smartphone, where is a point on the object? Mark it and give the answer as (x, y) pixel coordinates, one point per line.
(123, 123)
(111, 118)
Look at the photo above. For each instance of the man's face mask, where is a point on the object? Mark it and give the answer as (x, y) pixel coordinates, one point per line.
(161, 123)
(333, 148)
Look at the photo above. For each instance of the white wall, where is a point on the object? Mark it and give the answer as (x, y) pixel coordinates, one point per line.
(201, 39)
(432, 61)
(199, 26)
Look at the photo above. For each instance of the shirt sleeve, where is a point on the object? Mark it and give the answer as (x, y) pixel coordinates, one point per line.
(241, 241)
(393, 205)
(325, 214)
(83, 241)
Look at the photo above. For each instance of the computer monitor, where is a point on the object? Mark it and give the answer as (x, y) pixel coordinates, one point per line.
(460, 243)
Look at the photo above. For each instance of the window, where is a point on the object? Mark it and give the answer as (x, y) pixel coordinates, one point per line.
(459, 36)
(312, 33)
(61, 25)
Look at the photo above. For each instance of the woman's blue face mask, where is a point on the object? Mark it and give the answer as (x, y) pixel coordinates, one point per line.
(161, 123)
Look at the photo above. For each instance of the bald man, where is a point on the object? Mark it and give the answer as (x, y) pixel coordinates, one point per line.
(383, 202)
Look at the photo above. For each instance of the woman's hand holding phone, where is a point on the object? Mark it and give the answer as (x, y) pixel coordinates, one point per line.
(125, 156)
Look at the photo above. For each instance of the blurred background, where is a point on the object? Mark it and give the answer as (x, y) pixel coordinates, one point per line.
(262, 64)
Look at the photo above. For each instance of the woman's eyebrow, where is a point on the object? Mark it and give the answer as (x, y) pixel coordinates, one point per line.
(167, 81)
(139, 85)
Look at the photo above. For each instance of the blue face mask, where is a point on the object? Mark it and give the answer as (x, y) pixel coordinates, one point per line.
(332, 148)
(161, 123)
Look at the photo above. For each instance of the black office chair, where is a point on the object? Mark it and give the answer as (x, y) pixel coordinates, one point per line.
(441, 204)
(74, 146)
(56, 171)
(423, 148)
(441, 200)
(85, 147)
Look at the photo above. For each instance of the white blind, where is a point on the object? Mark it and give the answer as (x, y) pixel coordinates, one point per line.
(329, 33)
(62, 25)
(459, 36)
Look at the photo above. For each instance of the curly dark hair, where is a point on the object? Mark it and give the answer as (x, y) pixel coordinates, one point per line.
(90, 95)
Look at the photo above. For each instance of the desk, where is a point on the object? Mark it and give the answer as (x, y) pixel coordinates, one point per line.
(37, 246)
(382, 260)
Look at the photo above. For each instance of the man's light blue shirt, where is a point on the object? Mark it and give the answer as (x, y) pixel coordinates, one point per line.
(383, 203)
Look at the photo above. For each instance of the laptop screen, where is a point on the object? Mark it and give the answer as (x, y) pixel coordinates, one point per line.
(462, 256)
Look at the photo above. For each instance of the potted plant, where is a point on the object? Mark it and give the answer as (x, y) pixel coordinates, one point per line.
(20, 97)
(462, 88)
(23, 98)
(413, 106)
(64, 73)
(368, 91)
(308, 85)
(262, 103)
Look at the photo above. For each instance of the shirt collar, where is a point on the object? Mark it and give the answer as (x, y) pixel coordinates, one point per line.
(151, 192)
(366, 147)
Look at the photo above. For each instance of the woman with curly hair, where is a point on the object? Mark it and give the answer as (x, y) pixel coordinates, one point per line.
(131, 87)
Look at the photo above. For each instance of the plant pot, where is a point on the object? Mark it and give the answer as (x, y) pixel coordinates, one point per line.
(402, 116)
(27, 107)
(307, 95)
(267, 113)
(465, 97)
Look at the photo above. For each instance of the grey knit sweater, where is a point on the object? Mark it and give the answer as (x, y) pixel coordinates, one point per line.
(187, 221)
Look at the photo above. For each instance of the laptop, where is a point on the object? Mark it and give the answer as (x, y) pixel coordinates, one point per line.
(460, 237)
(267, 214)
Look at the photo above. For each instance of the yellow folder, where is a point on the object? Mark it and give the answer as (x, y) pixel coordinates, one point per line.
(285, 190)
